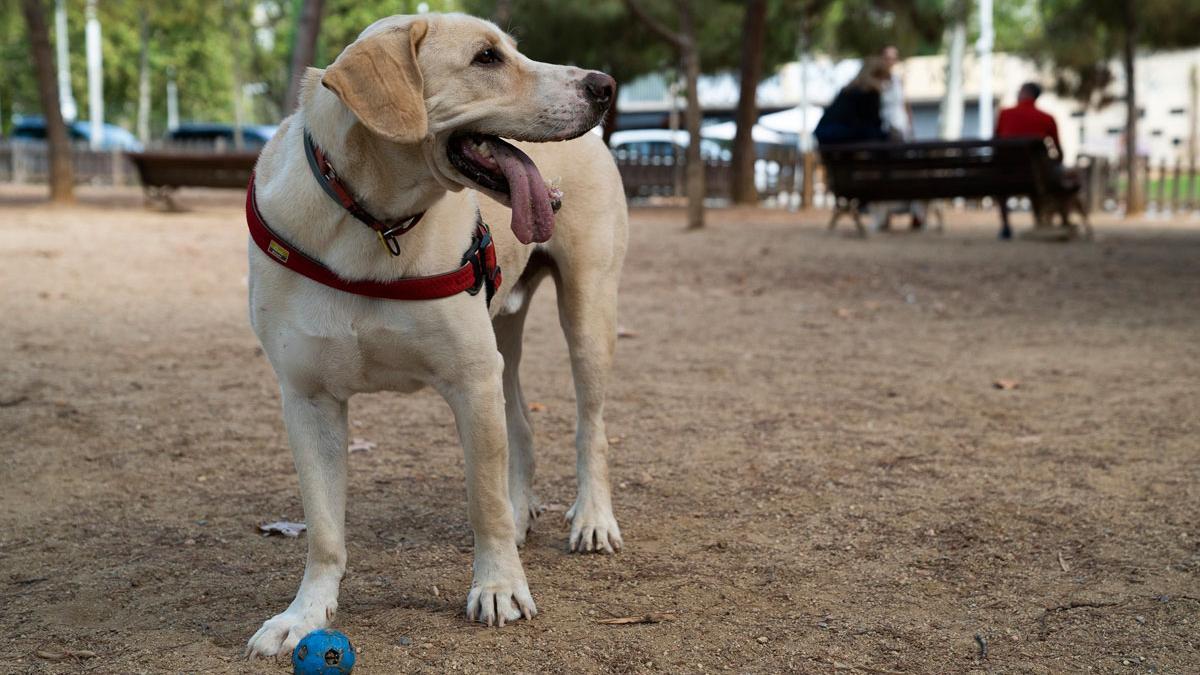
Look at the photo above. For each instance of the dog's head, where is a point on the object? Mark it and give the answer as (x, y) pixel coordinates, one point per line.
(456, 84)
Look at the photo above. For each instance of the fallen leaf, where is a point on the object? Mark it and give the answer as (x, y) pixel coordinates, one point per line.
(10, 402)
(653, 617)
(67, 654)
(1006, 385)
(286, 528)
(537, 407)
(361, 445)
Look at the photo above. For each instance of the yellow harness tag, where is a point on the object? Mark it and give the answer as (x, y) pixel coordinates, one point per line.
(278, 251)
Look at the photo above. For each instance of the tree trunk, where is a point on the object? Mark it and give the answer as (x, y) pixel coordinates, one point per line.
(143, 113)
(684, 43)
(696, 187)
(951, 126)
(308, 27)
(62, 179)
(66, 100)
(753, 30)
(1135, 203)
(95, 76)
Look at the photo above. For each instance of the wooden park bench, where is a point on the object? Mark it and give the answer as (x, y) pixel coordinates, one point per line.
(861, 173)
(162, 172)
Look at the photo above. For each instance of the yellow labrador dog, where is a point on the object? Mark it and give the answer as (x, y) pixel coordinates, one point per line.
(410, 118)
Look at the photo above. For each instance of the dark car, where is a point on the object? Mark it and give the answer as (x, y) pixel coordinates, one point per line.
(112, 137)
(254, 136)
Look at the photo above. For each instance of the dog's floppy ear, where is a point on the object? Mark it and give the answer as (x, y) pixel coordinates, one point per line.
(378, 79)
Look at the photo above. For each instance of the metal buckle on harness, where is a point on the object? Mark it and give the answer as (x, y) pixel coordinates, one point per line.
(388, 236)
(388, 239)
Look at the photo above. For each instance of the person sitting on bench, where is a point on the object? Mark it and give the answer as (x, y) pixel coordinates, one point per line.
(854, 115)
(1025, 120)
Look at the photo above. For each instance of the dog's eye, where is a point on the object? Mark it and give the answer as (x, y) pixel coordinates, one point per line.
(487, 57)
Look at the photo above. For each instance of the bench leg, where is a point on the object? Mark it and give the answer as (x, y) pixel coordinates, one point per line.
(161, 197)
(858, 223)
(1077, 202)
(833, 220)
(937, 209)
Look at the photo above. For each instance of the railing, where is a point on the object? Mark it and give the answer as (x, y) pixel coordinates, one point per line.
(28, 162)
(778, 177)
(1168, 187)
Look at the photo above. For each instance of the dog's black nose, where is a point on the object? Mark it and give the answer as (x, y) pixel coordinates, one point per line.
(600, 88)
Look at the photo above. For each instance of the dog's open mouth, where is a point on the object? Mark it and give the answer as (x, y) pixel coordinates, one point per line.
(504, 171)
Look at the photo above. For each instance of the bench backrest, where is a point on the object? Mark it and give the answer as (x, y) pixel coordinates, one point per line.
(195, 169)
(938, 169)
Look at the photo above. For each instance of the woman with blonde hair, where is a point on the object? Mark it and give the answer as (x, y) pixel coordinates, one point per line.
(854, 115)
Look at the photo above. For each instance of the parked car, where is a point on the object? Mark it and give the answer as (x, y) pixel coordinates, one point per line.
(661, 142)
(254, 136)
(113, 137)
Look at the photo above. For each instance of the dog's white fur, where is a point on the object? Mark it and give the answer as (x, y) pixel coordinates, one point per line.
(326, 345)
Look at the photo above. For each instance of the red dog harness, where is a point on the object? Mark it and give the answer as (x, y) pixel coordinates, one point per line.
(479, 270)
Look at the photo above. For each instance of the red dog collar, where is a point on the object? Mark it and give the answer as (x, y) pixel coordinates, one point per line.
(333, 186)
(478, 271)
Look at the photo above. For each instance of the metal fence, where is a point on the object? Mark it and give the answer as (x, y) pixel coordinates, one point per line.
(1168, 187)
(26, 162)
(29, 162)
(778, 176)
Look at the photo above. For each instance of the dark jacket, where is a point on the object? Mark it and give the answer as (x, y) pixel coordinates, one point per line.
(852, 117)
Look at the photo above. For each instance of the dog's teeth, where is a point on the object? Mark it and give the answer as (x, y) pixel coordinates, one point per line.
(484, 149)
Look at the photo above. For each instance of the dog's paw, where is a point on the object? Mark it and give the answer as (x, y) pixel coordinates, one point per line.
(281, 633)
(593, 528)
(525, 514)
(497, 601)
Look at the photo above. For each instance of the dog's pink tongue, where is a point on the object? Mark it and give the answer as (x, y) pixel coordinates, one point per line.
(532, 215)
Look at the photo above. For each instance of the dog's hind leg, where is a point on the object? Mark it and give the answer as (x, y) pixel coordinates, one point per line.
(587, 307)
(509, 330)
(316, 428)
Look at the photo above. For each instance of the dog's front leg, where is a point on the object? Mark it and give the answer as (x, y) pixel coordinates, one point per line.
(499, 592)
(316, 426)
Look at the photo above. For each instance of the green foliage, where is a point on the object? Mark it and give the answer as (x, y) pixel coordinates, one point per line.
(864, 27)
(18, 87)
(601, 34)
(209, 45)
(1081, 38)
(598, 35)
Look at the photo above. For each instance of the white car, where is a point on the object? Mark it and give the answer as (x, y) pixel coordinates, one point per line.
(661, 142)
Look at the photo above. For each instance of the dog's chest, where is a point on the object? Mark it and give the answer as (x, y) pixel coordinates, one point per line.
(364, 346)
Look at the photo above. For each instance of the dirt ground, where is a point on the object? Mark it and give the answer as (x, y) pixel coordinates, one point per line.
(813, 469)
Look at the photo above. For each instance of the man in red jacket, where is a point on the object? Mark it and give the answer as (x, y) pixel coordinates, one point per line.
(1024, 120)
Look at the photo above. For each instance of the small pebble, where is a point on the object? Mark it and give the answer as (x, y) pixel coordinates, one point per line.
(405, 641)
(762, 640)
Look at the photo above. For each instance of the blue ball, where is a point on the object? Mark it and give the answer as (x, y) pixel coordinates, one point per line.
(323, 652)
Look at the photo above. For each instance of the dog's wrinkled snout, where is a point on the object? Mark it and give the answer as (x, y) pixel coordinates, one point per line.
(600, 89)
